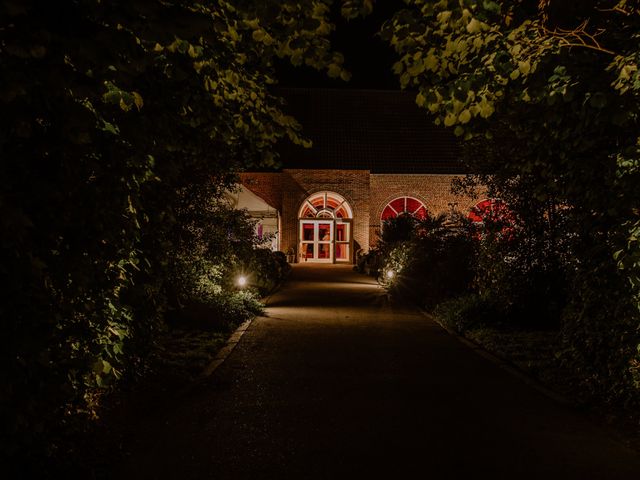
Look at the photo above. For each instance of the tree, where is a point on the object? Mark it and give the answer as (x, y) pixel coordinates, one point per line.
(110, 112)
(547, 94)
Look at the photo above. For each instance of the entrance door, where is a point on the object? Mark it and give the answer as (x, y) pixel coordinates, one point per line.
(342, 251)
(316, 241)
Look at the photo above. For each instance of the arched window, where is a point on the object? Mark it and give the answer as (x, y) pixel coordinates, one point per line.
(492, 209)
(404, 205)
(325, 205)
(325, 229)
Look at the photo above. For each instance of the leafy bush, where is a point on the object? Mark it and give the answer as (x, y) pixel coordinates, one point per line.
(527, 277)
(213, 243)
(238, 306)
(435, 264)
(470, 312)
(268, 269)
(397, 229)
(601, 332)
(217, 244)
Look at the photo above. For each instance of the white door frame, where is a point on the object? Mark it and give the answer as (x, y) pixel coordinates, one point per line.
(316, 241)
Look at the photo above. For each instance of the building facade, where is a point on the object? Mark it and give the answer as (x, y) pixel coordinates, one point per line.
(332, 215)
(375, 155)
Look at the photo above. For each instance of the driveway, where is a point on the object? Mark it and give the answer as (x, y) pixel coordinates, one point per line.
(336, 382)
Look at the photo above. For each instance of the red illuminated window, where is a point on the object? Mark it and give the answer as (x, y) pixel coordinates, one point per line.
(307, 232)
(404, 205)
(325, 205)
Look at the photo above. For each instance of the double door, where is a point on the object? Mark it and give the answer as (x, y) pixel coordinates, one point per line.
(325, 241)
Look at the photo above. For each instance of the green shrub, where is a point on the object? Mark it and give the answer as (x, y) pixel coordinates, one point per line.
(470, 312)
(397, 229)
(600, 329)
(220, 313)
(528, 277)
(435, 264)
(238, 306)
(268, 269)
(217, 244)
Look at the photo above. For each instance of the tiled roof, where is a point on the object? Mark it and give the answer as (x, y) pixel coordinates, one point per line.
(378, 130)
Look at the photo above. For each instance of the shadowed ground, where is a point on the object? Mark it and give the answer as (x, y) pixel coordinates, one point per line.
(337, 383)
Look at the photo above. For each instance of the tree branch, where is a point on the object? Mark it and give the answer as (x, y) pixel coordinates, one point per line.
(577, 37)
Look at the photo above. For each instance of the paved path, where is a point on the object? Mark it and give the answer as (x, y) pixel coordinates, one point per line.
(337, 383)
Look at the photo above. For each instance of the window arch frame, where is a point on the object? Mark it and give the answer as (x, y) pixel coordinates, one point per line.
(388, 205)
(327, 208)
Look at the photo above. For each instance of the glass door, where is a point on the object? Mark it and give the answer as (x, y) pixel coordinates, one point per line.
(307, 240)
(343, 241)
(316, 241)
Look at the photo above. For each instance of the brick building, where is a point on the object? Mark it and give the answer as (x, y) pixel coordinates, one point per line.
(375, 155)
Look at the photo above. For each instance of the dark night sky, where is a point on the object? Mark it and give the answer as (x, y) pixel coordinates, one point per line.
(367, 56)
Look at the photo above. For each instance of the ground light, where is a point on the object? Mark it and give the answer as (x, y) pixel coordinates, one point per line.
(241, 281)
(390, 274)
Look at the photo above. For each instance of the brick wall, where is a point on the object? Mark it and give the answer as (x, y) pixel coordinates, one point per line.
(353, 185)
(433, 190)
(366, 193)
(267, 186)
(287, 190)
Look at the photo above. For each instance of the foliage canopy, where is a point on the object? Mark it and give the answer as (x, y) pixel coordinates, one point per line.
(113, 115)
(545, 96)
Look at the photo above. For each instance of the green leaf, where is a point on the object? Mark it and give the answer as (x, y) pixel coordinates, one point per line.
(137, 99)
(443, 17)
(491, 6)
(101, 366)
(334, 70)
(450, 119)
(416, 69)
(474, 26)
(524, 67)
(486, 108)
(464, 116)
(431, 62)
